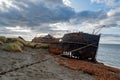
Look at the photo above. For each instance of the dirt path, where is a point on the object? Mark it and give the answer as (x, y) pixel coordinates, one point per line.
(36, 64)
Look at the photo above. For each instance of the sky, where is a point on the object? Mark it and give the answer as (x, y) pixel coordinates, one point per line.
(34, 18)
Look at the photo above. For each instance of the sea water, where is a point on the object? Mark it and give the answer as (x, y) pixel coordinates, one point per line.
(109, 54)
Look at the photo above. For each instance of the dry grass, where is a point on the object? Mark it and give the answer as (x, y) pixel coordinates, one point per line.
(14, 47)
(30, 44)
(42, 46)
(100, 71)
(3, 39)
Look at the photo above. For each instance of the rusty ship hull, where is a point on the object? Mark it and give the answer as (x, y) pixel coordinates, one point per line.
(77, 45)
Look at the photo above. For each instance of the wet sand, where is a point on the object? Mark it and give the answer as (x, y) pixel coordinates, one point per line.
(36, 64)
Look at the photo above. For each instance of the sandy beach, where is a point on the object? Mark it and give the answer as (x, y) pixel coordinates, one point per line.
(36, 64)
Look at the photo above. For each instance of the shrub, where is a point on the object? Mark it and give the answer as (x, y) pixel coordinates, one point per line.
(21, 41)
(12, 47)
(11, 40)
(43, 46)
(30, 44)
(20, 44)
(3, 39)
(16, 39)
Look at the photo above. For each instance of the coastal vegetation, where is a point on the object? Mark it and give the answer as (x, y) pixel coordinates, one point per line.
(18, 44)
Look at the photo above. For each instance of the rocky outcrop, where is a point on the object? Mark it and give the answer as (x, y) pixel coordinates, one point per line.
(46, 39)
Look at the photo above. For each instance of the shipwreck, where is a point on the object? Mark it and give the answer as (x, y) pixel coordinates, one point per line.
(76, 45)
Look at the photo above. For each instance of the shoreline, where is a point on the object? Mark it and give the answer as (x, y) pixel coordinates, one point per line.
(109, 65)
(57, 65)
(98, 70)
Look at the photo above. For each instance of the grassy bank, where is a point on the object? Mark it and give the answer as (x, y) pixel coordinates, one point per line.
(18, 44)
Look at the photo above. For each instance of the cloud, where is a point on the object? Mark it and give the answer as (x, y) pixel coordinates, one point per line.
(67, 2)
(90, 16)
(35, 13)
(114, 12)
(33, 16)
(110, 3)
(18, 29)
(5, 5)
(113, 19)
(110, 38)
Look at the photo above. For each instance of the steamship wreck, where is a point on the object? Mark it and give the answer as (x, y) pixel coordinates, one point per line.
(78, 45)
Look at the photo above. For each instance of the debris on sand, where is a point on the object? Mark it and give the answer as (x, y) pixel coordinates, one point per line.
(99, 70)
